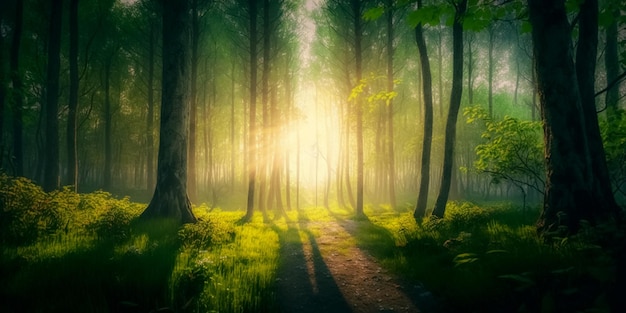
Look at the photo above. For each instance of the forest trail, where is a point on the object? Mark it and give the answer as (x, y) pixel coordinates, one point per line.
(322, 269)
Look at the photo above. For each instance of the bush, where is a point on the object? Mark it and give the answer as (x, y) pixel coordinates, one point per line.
(27, 212)
(208, 231)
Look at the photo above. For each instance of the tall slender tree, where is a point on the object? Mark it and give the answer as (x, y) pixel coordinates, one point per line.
(17, 91)
(427, 93)
(72, 117)
(252, 145)
(455, 104)
(51, 162)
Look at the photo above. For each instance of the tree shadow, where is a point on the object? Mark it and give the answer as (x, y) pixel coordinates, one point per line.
(305, 283)
(107, 276)
(380, 244)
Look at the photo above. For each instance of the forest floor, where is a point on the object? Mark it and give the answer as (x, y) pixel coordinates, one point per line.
(323, 269)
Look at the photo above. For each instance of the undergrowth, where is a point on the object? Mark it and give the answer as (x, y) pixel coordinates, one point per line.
(68, 252)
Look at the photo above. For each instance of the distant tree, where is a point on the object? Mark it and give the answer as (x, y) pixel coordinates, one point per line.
(170, 196)
(51, 163)
(72, 117)
(17, 92)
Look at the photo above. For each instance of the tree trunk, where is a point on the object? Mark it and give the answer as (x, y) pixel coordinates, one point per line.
(491, 32)
(586, 55)
(193, 109)
(358, 51)
(3, 89)
(51, 166)
(611, 63)
(72, 152)
(150, 116)
(568, 197)
(390, 86)
(252, 145)
(108, 149)
(422, 197)
(470, 68)
(455, 104)
(17, 92)
(170, 195)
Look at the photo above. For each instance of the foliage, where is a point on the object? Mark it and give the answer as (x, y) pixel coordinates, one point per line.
(490, 259)
(26, 212)
(367, 88)
(614, 138)
(513, 150)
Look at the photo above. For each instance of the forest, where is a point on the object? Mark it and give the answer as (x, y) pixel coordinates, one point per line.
(312, 155)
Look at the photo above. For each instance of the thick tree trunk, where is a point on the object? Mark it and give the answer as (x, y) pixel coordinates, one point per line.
(170, 195)
(51, 162)
(72, 152)
(455, 104)
(586, 55)
(17, 92)
(427, 92)
(568, 197)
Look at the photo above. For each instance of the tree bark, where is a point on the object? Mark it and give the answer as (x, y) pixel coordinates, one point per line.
(568, 197)
(455, 104)
(427, 93)
(586, 56)
(170, 196)
(51, 162)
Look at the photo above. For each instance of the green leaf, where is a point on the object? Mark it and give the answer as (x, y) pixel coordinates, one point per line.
(373, 13)
(429, 15)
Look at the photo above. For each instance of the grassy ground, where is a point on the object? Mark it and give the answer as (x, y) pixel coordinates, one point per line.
(63, 252)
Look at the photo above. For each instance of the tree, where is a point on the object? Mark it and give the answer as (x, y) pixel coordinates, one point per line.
(72, 117)
(569, 195)
(51, 163)
(17, 92)
(455, 104)
(427, 94)
(170, 195)
(252, 11)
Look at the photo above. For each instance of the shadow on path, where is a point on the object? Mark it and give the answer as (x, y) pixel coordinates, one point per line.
(304, 282)
(378, 244)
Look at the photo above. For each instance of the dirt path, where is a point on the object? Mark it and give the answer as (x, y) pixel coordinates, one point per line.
(328, 273)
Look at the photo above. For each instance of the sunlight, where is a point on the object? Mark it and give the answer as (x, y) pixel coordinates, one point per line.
(314, 133)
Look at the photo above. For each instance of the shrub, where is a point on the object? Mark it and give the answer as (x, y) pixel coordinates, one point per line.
(208, 231)
(27, 212)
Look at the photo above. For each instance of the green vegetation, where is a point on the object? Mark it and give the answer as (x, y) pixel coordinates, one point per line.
(68, 252)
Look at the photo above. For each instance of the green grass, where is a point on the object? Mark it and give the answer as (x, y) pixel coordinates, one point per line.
(89, 253)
